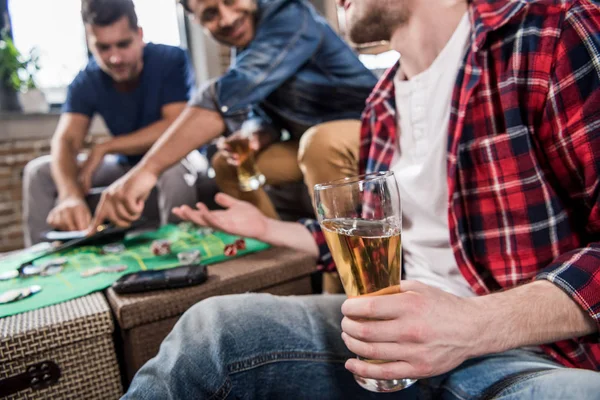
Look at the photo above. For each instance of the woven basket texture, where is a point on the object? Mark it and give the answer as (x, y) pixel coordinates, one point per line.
(76, 335)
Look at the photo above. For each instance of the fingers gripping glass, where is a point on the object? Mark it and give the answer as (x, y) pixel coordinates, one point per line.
(361, 218)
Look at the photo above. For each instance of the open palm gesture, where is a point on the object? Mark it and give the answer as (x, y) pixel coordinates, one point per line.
(239, 217)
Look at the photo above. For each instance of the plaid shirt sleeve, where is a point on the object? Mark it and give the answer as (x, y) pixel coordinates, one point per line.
(325, 261)
(569, 134)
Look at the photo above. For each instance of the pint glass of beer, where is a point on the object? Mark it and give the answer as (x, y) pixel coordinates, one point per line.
(361, 218)
(249, 177)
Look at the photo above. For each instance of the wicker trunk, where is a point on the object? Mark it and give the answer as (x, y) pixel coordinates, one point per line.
(71, 341)
(146, 319)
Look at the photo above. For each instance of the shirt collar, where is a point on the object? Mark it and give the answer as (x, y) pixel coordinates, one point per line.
(489, 15)
(384, 90)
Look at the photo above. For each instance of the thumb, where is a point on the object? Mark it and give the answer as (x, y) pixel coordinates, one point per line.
(225, 200)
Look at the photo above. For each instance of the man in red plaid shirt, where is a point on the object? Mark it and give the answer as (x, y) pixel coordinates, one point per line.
(517, 151)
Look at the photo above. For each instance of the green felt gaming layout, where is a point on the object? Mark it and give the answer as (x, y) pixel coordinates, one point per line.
(69, 283)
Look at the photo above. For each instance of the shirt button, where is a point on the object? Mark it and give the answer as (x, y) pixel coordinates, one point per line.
(224, 109)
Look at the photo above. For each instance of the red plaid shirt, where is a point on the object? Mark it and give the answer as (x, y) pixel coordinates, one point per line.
(523, 154)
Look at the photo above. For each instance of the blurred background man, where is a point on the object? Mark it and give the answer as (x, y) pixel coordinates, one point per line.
(138, 89)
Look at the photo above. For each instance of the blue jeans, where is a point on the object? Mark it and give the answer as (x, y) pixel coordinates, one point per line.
(258, 346)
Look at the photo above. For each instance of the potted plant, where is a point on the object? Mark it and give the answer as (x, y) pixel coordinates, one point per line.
(16, 73)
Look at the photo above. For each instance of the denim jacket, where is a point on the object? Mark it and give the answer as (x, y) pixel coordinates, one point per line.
(296, 71)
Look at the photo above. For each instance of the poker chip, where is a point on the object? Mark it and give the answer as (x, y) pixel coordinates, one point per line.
(31, 270)
(100, 270)
(113, 248)
(114, 268)
(19, 294)
(10, 295)
(230, 250)
(31, 290)
(51, 267)
(240, 244)
(8, 275)
(52, 270)
(161, 247)
(91, 272)
(185, 226)
(205, 231)
(57, 262)
(189, 257)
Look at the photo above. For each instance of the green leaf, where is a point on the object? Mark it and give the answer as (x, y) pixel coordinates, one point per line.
(17, 70)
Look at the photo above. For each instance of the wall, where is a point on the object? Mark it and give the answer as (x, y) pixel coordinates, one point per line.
(23, 138)
(204, 53)
(329, 10)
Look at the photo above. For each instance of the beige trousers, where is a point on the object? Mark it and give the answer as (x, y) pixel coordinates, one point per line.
(325, 152)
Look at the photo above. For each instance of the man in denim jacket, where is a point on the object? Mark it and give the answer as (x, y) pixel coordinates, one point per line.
(290, 70)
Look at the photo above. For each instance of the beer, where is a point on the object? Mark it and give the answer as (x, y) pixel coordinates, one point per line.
(367, 253)
(361, 218)
(249, 176)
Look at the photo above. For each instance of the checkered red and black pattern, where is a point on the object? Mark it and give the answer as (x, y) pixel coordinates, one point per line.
(523, 154)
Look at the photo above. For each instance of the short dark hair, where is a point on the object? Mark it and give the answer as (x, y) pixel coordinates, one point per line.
(107, 12)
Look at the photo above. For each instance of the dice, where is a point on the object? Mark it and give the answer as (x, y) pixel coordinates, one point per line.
(230, 250)
(240, 244)
(161, 247)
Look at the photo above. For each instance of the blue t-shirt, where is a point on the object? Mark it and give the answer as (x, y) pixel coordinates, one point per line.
(167, 77)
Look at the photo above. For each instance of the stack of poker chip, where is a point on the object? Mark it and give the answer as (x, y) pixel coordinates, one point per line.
(50, 267)
(185, 226)
(204, 231)
(8, 275)
(113, 248)
(19, 294)
(101, 269)
(161, 247)
(189, 257)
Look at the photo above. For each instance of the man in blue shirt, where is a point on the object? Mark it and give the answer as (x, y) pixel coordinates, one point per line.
(290, 70)
(139, 90)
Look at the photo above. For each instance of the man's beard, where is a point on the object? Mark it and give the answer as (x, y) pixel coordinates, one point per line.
(376, 25)
(131, 74)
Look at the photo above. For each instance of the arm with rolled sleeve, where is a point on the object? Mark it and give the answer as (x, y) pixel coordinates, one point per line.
(572, 143)
(564, 300)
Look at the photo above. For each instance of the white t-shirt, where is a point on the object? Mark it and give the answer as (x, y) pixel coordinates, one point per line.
(423, 112)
